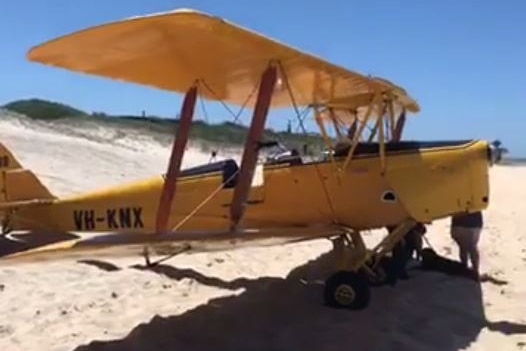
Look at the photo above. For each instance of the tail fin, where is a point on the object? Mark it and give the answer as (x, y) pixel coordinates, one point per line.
(17, 184)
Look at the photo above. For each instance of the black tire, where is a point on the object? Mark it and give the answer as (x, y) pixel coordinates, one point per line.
(348, 290)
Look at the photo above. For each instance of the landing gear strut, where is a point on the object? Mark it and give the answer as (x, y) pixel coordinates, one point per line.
(6, 228)
(357, 268)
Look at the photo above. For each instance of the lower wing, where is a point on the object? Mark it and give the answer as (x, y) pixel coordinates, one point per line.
(115, 245)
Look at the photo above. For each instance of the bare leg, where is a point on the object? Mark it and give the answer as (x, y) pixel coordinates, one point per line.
(459, 237)
(474, 256)
(474, 252)
(463, 253)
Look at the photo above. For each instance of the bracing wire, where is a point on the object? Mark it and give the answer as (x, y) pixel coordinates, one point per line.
(300, 121)
(237, 115)
(243, 106)
(190, 215)
(300, 115)
(203, 108)
(213, 193)
(304, 115)
(204, 202)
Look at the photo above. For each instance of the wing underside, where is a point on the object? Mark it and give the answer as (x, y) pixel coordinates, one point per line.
(172, 50)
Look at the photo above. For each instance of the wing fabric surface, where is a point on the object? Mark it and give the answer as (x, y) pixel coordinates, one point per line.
(172, 50)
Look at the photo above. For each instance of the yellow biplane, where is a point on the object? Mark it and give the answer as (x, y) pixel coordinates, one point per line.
(367, 178)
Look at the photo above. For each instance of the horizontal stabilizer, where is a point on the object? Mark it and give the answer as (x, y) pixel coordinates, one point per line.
(13, 205)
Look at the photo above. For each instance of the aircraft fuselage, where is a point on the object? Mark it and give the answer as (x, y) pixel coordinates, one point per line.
(412, 185)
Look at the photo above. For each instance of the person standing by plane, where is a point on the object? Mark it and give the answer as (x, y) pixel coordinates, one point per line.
(403, 251)
(414, 241)
(465, 231)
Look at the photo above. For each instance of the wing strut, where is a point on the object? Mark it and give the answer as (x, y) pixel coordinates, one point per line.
(250, 153)
(179, 145)
(399, 128)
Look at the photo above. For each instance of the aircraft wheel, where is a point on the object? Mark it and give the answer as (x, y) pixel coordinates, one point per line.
(347, 290)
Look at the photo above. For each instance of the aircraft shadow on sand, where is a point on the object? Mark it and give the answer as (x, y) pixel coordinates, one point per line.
(431, 310)
(19, 242)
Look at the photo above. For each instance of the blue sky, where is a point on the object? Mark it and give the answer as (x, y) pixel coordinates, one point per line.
(464, 61)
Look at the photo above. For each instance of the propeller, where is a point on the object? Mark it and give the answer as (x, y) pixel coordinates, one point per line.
(495, 152)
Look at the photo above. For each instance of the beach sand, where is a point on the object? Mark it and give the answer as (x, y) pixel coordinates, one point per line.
(248, 299)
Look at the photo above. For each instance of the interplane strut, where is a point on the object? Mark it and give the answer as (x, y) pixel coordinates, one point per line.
(176, 158)
(250, 152)
(397, 134)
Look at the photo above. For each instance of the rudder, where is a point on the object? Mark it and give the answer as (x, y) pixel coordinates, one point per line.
(7, 160)
(18, 184)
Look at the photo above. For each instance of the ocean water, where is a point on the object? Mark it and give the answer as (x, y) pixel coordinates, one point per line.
(514, 161)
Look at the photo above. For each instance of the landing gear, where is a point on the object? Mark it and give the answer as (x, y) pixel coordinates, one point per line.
(381, 273)
(146, 255)
(348, 290)
(167, 251)
(357, 269)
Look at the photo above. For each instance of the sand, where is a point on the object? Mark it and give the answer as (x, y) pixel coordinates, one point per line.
(249, 299)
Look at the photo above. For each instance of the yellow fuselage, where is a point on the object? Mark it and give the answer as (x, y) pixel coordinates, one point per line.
(423, 184)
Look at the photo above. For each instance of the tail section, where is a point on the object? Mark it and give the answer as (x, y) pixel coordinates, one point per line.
(19, 187)
(7, 160)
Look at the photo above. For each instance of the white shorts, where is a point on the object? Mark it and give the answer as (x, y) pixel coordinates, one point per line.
(466, 238)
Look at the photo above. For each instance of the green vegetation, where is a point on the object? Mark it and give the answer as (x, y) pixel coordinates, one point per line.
(42, 109)
(226, 133)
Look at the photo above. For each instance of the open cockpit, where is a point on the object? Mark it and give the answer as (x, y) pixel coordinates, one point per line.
(229, 167)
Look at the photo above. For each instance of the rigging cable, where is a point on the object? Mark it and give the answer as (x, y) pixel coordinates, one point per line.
(190, 215)
(296, 109)
(211, 195)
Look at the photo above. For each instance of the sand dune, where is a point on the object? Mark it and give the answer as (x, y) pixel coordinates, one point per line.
(250, 299)
(65, 153)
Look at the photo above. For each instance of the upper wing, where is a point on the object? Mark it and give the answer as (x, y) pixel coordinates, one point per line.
(171, 50)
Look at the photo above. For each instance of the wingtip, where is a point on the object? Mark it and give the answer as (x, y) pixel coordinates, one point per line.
(34, 53)
(31, 54)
